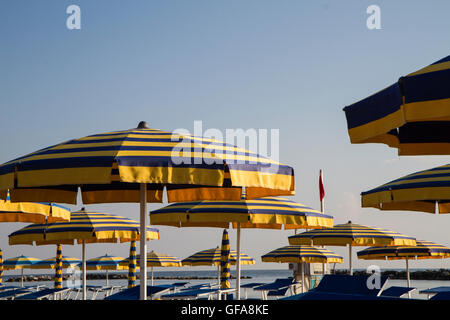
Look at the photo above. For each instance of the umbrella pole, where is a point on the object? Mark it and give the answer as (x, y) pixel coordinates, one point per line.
(408, 281)
(218, 274)
(22, 278)
(350, 258)
(303, 277)
(143, 242)
(238, 262)
(106, 277)
(83, 258)
(152, 276)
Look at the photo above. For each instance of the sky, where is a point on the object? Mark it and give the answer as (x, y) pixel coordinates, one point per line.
(286, 65)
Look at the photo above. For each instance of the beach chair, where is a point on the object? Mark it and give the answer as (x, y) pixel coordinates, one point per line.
(250, 286)
(278, 284)
(441, 296)
(197, 294)
(12, 293)
(277, 293)
(396, 291)
(434, 291)
(45, 294)
(134, 293)
(201, 286)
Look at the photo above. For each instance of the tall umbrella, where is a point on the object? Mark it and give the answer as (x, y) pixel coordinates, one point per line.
(302, 254)
(132, 265)
(412, 115)
(351, 234)
(268, 212)
(422, 250)
(136, 165)
(32, 212)
(425, 191)
(20, 262)
(106, 263)
(211, 257)
(156, 259)
(225, 261)
(84, 227)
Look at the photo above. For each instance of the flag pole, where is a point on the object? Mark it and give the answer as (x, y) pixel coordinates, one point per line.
(322, 207)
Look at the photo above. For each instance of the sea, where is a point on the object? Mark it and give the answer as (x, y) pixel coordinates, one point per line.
(206, 276)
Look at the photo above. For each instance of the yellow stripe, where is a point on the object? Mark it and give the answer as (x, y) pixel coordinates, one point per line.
(421, 111)
(417, 149)
(432, 68)
(377, 128)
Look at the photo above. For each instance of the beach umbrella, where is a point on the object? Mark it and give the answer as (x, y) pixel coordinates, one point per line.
(106, 263)
(225, 261)
(211, 257)
(32, 212)
(302, 254)
(136, 165)
(52, 263)
(426, 191)
(422, 250)
(84, 227)
(412, 115)
(267, 212)
(156, 259)
(20, 262)
(132, 265)
(351, 234)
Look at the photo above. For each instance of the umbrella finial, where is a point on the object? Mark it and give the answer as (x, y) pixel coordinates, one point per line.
(349, 221)
(143, 125)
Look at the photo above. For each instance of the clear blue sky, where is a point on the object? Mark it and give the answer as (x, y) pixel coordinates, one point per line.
(287, 65)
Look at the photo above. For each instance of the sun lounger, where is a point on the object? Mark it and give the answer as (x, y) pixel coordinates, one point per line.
(313, 295)
(12, 293)
(277, 293)
(133, 293)
(396, 291)
(434, 291)
(197, 294)
(278, 284)
(2, 288)
(55, 294)
(441, 296)
(249, 286)
(201, 286)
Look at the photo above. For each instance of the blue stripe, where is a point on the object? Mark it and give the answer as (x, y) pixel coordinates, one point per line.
(427, 86)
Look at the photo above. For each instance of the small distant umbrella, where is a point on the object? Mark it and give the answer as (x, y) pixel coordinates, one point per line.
(58, 267)
(51, 263)
(156, 259)
(422, 250)
(302, 254)
(225, 262)
(351, 234)
(106, 263)
(132, 265)
(211, 257)
(20, 262)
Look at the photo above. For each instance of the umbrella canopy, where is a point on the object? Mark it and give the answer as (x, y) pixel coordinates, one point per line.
(19, 262)
(352, 235)
(268, 212)
(51, 263)
(84, 226)
(211, 257)
(422, 250)
(300, 254)
(420, 191)
(225, 261)
(136, 165)
(412, 115)
(155, 259)
(106, 262)
(32, 212)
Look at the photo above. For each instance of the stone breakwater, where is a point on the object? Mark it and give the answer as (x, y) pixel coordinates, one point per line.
(440, 274)
(111, 276)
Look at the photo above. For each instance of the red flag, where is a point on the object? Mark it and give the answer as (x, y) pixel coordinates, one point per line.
(321, 188)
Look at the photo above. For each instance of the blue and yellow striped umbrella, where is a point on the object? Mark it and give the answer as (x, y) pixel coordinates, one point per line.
(84, 226)
(423, 191)
(32, 212)
(52, 263)
(301, 254)
(20, 263)
(132, 265)
(412, 115)
(106, 263)
(351, 234)
(58, 267)
(109, 167)
(211, 257)
(225, 262)
(269, 213)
